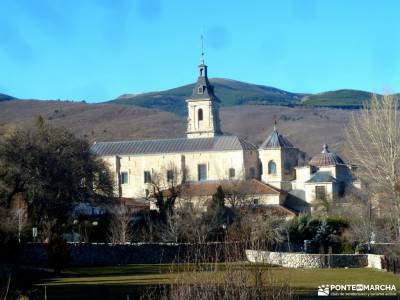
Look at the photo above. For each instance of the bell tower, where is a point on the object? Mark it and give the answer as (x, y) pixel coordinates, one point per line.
(203, 107)
(279, 158)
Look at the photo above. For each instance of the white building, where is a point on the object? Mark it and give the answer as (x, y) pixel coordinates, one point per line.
(206, 158)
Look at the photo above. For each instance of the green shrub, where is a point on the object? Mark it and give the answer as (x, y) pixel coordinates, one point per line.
(361, 249)
(321, 232)
(346, 248)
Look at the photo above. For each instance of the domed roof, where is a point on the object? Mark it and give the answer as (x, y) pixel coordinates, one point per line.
(276, 140)
(326, 158)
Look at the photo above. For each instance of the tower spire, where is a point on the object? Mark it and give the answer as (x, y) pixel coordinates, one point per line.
(202, 49)
(203, 105)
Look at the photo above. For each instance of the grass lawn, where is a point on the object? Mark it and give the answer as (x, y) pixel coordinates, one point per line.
(117, 282)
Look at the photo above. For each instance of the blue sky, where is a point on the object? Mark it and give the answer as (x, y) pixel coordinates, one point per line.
(98, 49)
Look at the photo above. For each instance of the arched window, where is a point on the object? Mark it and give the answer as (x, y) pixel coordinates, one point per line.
(200, 90)
(271, 167)
(200, 114)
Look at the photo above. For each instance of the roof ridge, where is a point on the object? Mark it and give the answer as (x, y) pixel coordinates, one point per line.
(169, 139)
(175, 145)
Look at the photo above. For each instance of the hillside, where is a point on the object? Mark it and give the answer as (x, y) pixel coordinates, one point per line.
(4, 97)
(307, 127)
(339, 98)
(230, 92)
(93, 121)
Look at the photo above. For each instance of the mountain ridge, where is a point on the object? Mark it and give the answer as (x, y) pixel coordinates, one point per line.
(237, 93)
(233, 92)
(230, 92)
(4, 97)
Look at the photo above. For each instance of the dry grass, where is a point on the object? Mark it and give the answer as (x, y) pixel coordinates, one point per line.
(307, 128)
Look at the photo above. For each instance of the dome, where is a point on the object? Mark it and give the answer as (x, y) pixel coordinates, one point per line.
(326, 158)
(276, 140)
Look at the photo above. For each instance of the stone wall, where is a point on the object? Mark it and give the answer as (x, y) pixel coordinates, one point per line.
(142, 253)
(300, 260)
(375, 261)
(108, 254)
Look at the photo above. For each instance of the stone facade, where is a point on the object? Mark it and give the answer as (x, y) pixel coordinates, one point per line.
(217, 165)
(201, 121)
(285, 160)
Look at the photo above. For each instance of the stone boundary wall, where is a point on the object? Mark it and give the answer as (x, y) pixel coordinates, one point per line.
(375, 261)
(302, 260)
(82, 254)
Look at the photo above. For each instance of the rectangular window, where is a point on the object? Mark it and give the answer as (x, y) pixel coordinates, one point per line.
(202, 172)
(147, 177)
(252, 173)
(320, 192)
(124, 177)
(170, 175)
(231, 173)
(255, 201)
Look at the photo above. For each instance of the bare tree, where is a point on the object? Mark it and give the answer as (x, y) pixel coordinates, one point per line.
(238, 193)
(263, 229)
(322, 205)
(365, 224)
(120, 227)
(373, 139)
(165, 189)
(14, 219)
(19, 213)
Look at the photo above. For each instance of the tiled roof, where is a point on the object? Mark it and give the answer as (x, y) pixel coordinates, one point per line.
(326, 158)
(275, 209)
(180, 145)
(209, 188)
(276, 140)
(322, 176)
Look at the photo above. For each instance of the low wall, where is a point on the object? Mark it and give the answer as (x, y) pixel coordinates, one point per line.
(147, 253)
(300, 260)
(375, 261)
